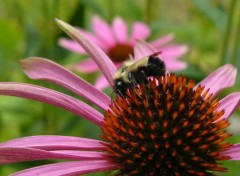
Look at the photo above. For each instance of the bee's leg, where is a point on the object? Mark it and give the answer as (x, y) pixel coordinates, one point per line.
(121, 94)
(138, 77)
(143, 78)
(132, 80)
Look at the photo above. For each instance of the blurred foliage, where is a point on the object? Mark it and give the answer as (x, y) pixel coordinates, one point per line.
(27, 29)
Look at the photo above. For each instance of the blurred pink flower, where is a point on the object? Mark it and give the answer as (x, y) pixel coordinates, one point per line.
(204, 137)
(116, 43)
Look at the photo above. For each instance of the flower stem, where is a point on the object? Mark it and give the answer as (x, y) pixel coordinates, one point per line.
(111, 9)
(1, 127)
(227, 34)
(148, 14)
(236, 45)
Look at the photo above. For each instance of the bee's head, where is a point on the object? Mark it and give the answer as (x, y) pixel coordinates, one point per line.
(120, 87)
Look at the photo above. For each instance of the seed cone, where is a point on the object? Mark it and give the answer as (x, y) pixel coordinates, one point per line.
(166, 128)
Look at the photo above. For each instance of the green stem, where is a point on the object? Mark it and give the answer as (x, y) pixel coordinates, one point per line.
(227, 32)
(111, 10)
(148, 14)
(236, 44)
(77, 19)
(1, 127)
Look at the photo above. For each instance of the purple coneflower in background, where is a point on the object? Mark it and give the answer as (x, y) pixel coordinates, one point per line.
(114, 41)
(167, 127)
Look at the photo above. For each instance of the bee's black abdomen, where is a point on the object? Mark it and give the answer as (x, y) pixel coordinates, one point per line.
(155, 67)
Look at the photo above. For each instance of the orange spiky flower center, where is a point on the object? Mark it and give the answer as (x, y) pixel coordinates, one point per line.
(166, 127)
(120, 52)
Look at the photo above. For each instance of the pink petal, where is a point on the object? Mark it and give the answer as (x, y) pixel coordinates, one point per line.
(233, 152)
(230, 103)
(104, 63)
(75, 47)
(69, 168)
(103, 31)
(53, 142)
(142, 49)
(101, 83)
(81, 155)
(139, 31)
(18, 154)
(220, 79)
(52, 97)
(71, 45)
(174, 51)
(120, 30)
(162, 41)
(94, 39)
(39, 68)
(86, 66)
(174, 65)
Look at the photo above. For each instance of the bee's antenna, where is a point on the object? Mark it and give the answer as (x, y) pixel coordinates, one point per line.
(131, 57)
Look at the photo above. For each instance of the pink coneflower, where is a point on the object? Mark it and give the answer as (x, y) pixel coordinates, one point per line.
(170, 126)
(114, 41)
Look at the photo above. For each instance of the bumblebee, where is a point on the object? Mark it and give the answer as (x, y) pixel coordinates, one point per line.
(132, 73)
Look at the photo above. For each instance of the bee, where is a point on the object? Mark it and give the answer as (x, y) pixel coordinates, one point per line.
(132, 73)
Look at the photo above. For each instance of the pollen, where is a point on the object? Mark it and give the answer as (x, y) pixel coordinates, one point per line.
(166, 127)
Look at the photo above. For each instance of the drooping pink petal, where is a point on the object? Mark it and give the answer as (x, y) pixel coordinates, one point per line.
(230, 103)
(233, 152)
(53, 142)
(174, 51)
(71, 45)
(101, 83)
(52, 97)
(103, 62)
(103, 31)
(69, 168)
(86, 66)
(220, 79)
(18, 154)
(139, 31)
(120, 30)
(142, 49)
(40, 68)
(174, 65)
(158, 43)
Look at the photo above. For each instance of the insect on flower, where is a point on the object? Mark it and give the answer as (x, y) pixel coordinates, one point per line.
(132, 73)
